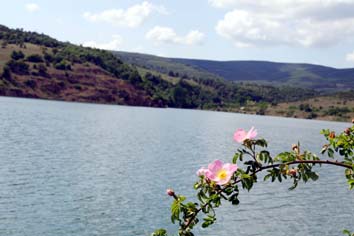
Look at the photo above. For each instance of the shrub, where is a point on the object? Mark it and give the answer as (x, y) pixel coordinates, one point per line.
(62, 65)
(31, 83)
(35, 58)
(48, 57)
(42, 70)
(6, 74)
(337, 111)
(17, 55)
(18, 67)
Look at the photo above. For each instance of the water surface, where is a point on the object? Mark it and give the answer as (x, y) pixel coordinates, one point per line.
(81, 170)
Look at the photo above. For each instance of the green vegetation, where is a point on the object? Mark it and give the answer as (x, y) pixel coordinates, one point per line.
(20, 37)
(35, 58)
(163, 65)
(17, 55)
(18, 67)
(261, 72)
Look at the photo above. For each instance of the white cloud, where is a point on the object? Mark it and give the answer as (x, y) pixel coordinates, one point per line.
(221, 3)
(168, 35)
(131, 17)
(306, 23)
(32, 7)
(114, 44)
(350, 57)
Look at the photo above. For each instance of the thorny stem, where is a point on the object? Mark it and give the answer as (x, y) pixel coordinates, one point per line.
(328, 162)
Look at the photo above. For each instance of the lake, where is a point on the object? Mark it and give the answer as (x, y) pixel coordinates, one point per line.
(81, 170)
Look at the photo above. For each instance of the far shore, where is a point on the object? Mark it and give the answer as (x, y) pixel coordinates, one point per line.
(275, 111)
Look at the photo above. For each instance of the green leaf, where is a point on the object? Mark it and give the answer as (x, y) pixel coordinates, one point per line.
(330, 152)
(159, 232)
(267, 177)
(261, 142)
(346, 232)
(313, 176)
(175, 211)
(236, 157)
(245, 176)
(351, 184)
(181, 198)
(209, 220)
(294, 185)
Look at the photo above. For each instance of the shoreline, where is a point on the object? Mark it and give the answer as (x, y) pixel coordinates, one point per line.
(197, 109)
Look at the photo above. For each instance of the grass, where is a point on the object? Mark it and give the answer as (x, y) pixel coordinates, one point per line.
(323, 108)
(5, 53)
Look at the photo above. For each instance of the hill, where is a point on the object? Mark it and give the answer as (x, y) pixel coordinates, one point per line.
(37, 66)
(164, 65)
(261, 72)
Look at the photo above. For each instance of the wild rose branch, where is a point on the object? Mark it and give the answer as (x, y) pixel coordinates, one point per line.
(223, 181)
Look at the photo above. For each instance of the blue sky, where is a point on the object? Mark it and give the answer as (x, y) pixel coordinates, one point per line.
(310, 31)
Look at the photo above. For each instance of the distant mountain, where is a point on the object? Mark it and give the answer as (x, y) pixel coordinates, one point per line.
(262, 72)
(165, 65)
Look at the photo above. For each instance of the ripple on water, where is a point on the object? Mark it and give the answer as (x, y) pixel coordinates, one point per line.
(80, 170)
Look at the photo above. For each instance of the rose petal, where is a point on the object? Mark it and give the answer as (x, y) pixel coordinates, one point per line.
(209, 175)
(215, 166)
(252, 133)
(240, 135)
(230, 168)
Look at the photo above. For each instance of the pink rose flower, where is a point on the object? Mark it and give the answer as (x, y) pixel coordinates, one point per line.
(241, 135)
(218, 172)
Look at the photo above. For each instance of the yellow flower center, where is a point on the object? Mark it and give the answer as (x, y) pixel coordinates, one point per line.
(222, 174)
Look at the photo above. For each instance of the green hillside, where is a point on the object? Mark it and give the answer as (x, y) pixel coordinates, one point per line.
(261, 72)
(165, 65)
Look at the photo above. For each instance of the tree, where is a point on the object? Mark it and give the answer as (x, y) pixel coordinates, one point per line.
(17, 55)
(18, 67)
(171, 73)
(62, 65)
(35, 58)
(179, 96)
(6, 74)
(222, 182)
(48, 57)
(134, 78)
(42, 70)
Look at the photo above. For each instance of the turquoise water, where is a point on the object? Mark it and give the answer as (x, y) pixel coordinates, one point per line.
(81, 170)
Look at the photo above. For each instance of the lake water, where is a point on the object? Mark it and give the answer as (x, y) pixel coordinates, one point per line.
(81, 170)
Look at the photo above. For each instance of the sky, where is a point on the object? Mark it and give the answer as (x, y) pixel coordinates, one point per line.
(299, 31)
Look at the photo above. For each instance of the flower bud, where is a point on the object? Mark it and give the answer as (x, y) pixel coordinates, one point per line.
(294, 147)
(353, 120)
(292, 172)
(170, 192)
(332, 135)
(347, 131)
